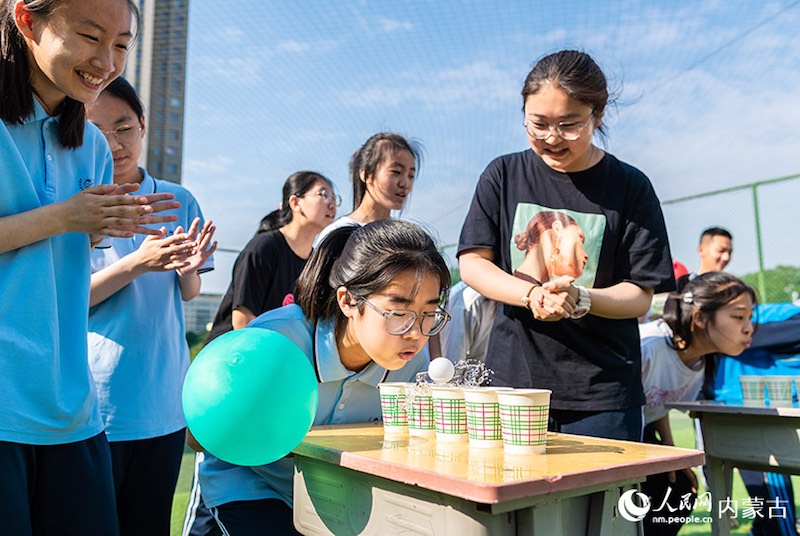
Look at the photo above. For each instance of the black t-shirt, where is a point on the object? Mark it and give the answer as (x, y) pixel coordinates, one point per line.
(264, 277)
(591, 363)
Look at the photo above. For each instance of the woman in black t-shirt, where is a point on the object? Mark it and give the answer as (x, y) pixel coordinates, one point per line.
(575, 332)
(265, 271)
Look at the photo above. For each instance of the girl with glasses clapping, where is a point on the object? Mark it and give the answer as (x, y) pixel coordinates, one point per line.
(138, 286)
(368, 300)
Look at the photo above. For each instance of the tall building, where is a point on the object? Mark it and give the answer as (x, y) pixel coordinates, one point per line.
(157, 69)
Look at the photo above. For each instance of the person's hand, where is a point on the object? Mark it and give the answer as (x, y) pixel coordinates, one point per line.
(108, 210)
(202, 251)
(548, 306)
(557, 300)
(690, 474)
(159, 254)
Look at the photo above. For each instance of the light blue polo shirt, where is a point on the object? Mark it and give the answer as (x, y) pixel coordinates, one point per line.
(344, 397)
(46, 391)
(137, 339)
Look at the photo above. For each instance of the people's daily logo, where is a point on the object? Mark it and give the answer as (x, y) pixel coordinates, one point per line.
(628, 508)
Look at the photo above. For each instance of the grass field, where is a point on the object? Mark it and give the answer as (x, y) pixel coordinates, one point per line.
(681, 431)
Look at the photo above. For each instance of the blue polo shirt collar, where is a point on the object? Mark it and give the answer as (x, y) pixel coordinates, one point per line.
(148, 184)
(328, 363)
(38, 114)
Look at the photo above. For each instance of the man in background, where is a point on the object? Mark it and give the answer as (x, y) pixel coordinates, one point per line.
(715, 250)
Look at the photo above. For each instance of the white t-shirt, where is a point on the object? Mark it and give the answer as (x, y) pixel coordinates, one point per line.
(472, 316)
(665, 377)
(344, 221)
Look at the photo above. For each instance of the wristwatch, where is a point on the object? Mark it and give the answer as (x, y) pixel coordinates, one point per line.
(583, 304)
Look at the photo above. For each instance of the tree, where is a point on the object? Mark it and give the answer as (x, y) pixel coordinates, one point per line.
(781, 284)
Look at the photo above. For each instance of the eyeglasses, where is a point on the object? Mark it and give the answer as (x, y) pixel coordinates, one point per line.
(567, 131)
(125, 135)
(400, 321)
(328, 196)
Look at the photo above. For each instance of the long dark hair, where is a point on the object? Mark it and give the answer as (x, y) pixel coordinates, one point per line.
(577, 74)
(123, 90)
(365, 260)
(296, 184)
(16, 104)
(707, 292)
(375, 150)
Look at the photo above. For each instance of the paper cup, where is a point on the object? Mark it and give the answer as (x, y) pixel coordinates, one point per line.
(483, 416)
(779, 389)
(523, 418)
(450, 414)
(752, 390)
(393, 407)
(419, 405)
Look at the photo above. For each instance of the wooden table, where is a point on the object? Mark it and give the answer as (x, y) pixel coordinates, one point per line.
(350, 479)
(758, 438)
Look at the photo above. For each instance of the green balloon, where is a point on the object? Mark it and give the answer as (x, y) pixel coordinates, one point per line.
(250, 396)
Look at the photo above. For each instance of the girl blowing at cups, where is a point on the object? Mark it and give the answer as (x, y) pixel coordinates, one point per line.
(367, 302)
(710, 316)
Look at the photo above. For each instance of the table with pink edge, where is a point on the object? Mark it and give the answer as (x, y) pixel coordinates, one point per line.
(351, 479)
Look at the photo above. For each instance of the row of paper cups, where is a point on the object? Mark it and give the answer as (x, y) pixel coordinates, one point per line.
(486, 417)
(778, 388)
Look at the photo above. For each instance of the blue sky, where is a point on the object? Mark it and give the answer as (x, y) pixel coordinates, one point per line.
(708, 100)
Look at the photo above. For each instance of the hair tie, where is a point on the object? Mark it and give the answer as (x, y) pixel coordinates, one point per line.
(688, 297)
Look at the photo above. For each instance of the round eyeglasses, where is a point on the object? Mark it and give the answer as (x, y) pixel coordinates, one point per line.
(539, 130)
(125, 135)
(329, 197)
(400, 321)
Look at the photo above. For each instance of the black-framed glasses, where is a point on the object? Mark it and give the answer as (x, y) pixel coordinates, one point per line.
(328, 196)
(400, 321)
(125, 135)
(539, 130)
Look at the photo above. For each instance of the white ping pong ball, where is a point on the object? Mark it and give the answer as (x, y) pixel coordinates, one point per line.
(441, 370)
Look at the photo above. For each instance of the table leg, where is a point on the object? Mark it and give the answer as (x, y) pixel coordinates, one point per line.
(720, 480)
(603, 520)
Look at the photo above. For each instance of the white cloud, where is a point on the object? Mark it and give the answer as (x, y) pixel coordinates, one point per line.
(225, 69)
(479, 84)
(391, 25)
(293, 46)
(215, 165)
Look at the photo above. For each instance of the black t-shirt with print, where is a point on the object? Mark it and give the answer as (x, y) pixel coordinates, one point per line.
(593, 363)
(264, 277)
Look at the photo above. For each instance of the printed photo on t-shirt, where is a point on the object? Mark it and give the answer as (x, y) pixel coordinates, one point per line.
(547, 243)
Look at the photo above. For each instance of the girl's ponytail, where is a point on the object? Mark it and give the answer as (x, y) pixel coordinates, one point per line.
(275, 220)
(15, 71)
(315, 295)
(365, 260)
(707, 292)
(297, 184)
(72, 123)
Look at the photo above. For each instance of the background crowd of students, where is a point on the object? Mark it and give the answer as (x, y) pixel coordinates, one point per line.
(561, 252)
